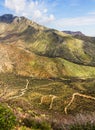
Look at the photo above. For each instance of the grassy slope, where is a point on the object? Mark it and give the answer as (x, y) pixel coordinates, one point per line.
(23, 62)
(49, 42)
(62, 89)
(78, 70)
(27, 63)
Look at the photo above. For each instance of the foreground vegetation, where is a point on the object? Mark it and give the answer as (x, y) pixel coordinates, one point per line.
(10, 121)
(7, 118)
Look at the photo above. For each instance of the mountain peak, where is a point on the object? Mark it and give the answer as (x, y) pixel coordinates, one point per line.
(7, 18)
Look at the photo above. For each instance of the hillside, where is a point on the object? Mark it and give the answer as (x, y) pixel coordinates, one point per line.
(60, 54)
(46, 75)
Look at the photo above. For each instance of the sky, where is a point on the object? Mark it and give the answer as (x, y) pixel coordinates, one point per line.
(73, 15)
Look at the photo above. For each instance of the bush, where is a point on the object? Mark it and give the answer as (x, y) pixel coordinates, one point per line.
(42, 126)
(36, 125)
(87, 126)
(7, 118)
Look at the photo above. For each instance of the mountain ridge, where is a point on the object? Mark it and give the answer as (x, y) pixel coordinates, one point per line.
(58, 52)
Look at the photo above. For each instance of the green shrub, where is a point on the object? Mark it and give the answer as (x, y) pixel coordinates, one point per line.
(87, 126)
(36, 125)
(7, 118)
(42, 126)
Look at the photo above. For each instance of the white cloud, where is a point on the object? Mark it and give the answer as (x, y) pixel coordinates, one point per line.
(47, 19)
(77, 21)
(15, 5)
(36, 10)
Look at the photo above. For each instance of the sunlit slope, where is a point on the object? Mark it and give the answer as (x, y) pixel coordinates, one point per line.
(30, 49)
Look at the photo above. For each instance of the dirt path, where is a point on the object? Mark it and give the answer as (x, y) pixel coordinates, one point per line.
(22, 91)
(73, 97)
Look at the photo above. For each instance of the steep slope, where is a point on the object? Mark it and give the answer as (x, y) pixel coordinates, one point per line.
(33, 50)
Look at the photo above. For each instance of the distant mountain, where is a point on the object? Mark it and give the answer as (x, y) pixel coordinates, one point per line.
(27, 48)
(74, 33)
(81, 36)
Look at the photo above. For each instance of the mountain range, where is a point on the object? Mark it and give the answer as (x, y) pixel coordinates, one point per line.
(29, 49)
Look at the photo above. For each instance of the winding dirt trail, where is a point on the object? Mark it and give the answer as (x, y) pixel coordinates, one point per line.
(22, 91)
(73, 97)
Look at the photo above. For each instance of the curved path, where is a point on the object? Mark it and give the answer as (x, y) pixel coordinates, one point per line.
(73, 97)
(22, 91)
